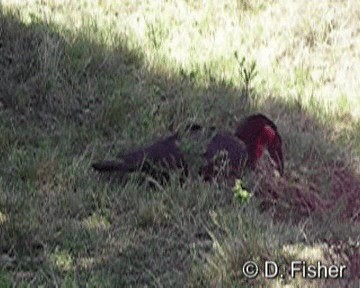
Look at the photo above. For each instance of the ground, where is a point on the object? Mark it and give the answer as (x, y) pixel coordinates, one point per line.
(86, 80)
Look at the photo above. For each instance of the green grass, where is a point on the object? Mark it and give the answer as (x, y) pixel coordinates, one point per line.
(81, 81)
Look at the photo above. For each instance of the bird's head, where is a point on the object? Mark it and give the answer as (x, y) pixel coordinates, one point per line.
(259, 132)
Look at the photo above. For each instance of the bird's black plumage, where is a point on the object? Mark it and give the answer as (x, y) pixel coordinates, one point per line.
(163, 155)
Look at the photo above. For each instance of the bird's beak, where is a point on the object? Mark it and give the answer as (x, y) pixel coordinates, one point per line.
(274, 146)
(276, 154)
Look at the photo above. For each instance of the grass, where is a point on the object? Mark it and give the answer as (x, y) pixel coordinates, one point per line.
(82, 81)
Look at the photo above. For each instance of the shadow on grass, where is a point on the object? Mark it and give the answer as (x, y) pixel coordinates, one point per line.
(63, 98)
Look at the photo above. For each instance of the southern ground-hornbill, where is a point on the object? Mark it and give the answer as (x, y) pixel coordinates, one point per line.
(156, 160)
(244, 148)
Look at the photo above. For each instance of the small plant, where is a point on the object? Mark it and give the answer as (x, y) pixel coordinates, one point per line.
(240, 193)
(247, 71)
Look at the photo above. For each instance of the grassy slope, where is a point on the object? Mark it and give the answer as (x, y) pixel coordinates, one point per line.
(83, 81)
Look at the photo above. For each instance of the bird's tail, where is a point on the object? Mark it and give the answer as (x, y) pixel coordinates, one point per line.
(110, 166)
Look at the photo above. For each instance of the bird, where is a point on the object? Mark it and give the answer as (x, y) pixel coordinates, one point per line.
(225, 155)
(231, 153)
(236, 151)
(155, 160)
(259, 132)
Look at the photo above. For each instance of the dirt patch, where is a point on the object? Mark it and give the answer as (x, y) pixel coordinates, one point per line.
(330, 191)
(333, 188)
(345, 191)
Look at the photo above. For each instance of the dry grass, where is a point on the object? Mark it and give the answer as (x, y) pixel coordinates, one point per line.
(83, 80)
